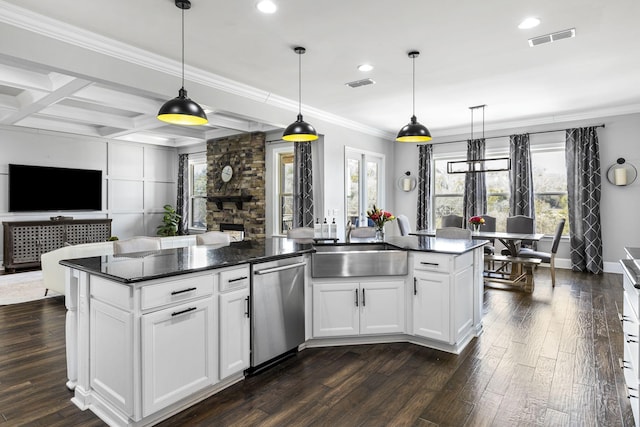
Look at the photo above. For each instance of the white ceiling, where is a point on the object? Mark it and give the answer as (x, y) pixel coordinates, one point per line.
(471, 53)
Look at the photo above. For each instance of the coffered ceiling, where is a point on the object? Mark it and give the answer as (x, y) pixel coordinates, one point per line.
(471, 53)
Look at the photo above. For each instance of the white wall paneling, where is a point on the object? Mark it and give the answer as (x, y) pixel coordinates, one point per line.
(160, 164)
(126, 160)
(126, 195)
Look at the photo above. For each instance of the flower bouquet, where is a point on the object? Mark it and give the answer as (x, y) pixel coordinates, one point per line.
(476, 222)
(380, 218)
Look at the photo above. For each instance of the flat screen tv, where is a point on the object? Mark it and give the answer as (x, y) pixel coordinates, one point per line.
(45, 188)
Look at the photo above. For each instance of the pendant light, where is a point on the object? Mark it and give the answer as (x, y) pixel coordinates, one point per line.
(414, 131)
(300, 131)
(182, 110)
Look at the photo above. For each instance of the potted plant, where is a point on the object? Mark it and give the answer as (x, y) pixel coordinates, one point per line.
(170, 221)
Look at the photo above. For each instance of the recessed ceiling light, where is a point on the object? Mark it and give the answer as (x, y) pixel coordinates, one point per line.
(266, 6)
(365, 67)
(529, 23)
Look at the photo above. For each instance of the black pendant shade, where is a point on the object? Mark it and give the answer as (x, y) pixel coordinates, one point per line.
(414, 131)
(300, 131)
(182, 110)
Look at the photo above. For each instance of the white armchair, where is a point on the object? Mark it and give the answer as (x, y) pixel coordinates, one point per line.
(213, 238)
(136, 244)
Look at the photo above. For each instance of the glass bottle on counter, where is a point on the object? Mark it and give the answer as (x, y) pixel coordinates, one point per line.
(333, 229)
(317, 229)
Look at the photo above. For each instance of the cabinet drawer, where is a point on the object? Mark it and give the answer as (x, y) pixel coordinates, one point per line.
(631, 384)
(432, 262)
(235, 278)
(175, 291)
(632, 294)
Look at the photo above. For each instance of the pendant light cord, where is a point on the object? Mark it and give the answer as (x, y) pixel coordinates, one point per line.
(300, 83)
(183, 48)
(413, 113)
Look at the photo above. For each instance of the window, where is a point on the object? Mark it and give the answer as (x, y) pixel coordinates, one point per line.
(549, 183)
(550, 189)
(285, 191)
(198, 193)
(363, 182)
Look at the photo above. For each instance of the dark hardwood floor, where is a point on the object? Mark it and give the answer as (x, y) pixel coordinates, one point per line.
(547, 359)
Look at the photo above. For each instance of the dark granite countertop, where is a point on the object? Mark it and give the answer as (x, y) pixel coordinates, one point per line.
(138, 267)
(632, 271)
(419, 243)
(432, 244)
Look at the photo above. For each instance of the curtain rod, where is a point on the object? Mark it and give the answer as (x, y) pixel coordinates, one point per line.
(504, 136)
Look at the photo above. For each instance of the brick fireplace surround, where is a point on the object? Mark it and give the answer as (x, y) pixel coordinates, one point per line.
(246, 155)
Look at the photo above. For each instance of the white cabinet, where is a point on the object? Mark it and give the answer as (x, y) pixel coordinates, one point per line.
(630, 319)
(179, 352)
(358, 308)
(443, 295)
(431, 305)
(234, 332)
(111, 354)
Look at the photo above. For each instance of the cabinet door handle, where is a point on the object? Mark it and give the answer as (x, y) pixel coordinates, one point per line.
(237, 279)
(363, 302)
(183, 291)
(177, 313)
(622, 362)
(415, 286)
(623, 318)
(246, 313)
(433, 264)
(356, 297)
(629, 395)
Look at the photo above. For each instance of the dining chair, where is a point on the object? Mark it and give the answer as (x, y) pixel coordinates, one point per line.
(301, 234)
(453, 233)
(547, 257)
(521, 224)
(489, 225)
(136, 244)
(211, 238)
(452, 221)
(403, 225)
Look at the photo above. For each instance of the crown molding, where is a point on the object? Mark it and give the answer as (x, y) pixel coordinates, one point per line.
(49, 27)
(597, 114)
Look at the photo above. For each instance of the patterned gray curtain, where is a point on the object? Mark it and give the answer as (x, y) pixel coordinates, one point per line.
(521, 177)
(475, 187)
(583, 185)
(302, 185)
(182, 202)
(425, 156)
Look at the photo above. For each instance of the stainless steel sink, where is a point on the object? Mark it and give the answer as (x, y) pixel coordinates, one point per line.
(358, 260)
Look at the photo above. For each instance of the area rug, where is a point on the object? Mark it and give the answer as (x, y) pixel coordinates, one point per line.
(22, 287)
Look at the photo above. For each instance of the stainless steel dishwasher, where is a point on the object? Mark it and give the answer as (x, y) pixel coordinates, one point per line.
(277, 310)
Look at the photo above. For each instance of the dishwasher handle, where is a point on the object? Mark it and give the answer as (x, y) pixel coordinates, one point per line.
(284, 267)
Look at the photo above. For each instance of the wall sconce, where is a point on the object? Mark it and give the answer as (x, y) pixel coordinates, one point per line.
(407, 182)
(622, 173)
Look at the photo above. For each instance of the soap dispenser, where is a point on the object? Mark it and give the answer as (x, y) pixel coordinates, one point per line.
(333, 229)
(317, 229)
(325, 229)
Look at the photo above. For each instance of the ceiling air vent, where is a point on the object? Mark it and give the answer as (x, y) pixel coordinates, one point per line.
(553, 37)
(359, 83)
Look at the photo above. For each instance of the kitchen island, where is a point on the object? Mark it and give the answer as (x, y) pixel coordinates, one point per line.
(150, 334)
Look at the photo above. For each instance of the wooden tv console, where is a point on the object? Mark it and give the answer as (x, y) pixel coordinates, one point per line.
(25, 241)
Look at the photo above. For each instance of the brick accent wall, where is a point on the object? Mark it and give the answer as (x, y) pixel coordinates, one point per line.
(246, 155)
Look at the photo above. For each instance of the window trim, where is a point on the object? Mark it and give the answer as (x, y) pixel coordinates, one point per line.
(198, 159)
(364, 156)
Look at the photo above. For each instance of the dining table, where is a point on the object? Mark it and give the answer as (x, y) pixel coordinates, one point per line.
(511, 241)
(512, 269)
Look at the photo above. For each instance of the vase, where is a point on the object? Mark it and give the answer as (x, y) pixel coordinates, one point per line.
(380, 234)
(475, 228)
